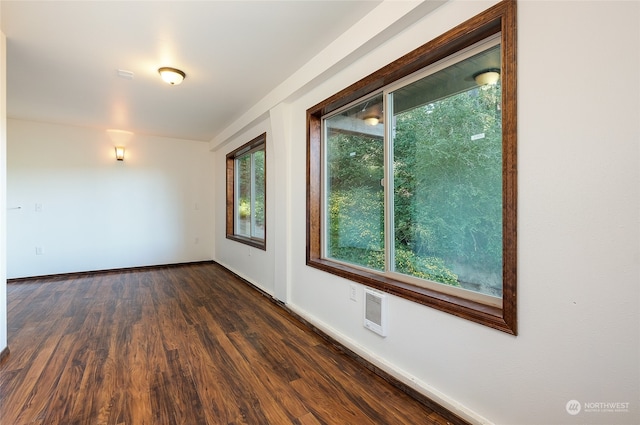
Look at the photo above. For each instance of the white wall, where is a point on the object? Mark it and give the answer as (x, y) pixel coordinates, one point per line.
(578, 227)
(155, 207)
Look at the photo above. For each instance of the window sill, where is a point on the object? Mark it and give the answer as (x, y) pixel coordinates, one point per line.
(248, 241)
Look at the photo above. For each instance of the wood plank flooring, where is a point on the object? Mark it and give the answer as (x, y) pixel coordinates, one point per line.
(190, 344)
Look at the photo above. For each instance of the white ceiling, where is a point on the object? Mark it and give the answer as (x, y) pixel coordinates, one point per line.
(63, 59)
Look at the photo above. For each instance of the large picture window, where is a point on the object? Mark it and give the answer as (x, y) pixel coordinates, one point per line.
(412, 185)
(246, 188)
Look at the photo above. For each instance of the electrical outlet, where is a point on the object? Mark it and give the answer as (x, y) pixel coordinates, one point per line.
(353, 292)
(39, 250)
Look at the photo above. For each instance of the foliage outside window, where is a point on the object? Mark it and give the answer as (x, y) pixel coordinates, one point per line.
(246, 190)
(412, 175)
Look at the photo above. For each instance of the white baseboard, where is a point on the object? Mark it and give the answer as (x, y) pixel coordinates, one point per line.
(410, 381)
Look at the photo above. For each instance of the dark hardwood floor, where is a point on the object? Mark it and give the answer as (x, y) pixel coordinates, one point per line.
(191, 344)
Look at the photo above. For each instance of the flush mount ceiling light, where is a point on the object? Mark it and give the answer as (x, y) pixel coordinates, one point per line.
(171, 76)
(488, 76)
(372, 120)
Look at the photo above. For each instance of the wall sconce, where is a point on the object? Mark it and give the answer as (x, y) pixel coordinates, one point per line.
(372, 120)
(120, 153)
(488, 76)
(171, 76)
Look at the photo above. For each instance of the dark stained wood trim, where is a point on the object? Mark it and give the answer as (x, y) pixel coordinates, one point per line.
(230, 192)
(4, 354)
(314, 189)
(509, 166)
(499, 18)
(72, 275)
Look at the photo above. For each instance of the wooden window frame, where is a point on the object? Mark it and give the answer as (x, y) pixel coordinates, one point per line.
(501, 18)
(256, 143)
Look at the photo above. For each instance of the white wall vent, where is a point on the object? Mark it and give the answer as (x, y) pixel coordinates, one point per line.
(375, 311)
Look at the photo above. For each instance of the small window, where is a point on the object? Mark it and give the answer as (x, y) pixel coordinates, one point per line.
(246, 193)
(412, 185)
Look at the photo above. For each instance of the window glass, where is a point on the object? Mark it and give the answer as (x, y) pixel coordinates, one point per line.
(354, 194)
(243, 195)
(445, 211)
(258, 199)
(447, 174)
(246, 193)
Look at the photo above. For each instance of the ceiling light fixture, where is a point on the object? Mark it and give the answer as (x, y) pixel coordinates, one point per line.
(372, 120)
(488, 76)
(171, 76)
